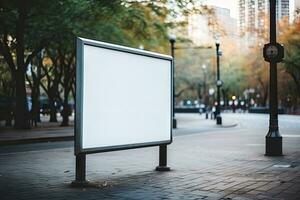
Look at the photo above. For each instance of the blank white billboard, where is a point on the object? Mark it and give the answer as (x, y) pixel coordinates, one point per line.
(123, 97)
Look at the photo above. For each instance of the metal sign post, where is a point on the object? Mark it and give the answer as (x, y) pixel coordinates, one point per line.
(80, 179)
(163, 159)
(273, 53)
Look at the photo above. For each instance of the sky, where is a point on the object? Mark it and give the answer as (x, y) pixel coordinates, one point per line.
(230, 4)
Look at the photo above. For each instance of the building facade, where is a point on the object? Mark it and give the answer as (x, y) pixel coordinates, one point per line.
(202, 29)
(253, 14)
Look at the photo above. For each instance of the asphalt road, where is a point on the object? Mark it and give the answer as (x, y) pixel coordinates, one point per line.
(289, 127)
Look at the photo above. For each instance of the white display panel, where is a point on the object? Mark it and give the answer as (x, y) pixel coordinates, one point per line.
(125, 97)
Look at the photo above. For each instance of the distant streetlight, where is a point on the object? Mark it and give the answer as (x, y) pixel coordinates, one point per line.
(218, 83)
(141, 47)
(172, 39)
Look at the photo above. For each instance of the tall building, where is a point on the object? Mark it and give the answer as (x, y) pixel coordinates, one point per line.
(202, 29)
(253, 14)
(283, 8)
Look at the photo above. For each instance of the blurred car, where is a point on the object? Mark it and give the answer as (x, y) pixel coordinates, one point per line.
(191, 106)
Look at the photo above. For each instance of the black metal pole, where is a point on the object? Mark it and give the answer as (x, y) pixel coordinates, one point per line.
(80, 171)
(218, 108)
(273, 138)
(172, 42)
(162, 159)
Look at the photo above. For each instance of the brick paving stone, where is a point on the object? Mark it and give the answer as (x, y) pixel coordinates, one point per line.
(267, 187)
(215, 165)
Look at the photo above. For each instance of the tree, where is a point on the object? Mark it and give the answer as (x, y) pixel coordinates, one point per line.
(291, 40)
(26, 28)
(50, 82)
(34, 82)
(29, 26)
(6, 94)
(129, 23)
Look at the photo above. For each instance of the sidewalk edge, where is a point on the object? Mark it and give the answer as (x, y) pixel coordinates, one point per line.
(36, 140)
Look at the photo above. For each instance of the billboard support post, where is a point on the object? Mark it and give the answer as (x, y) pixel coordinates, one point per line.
(80, 171)
(162, 159)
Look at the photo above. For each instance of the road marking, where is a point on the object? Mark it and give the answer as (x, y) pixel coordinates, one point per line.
(38, 151)
(291, 136)
(282, 166)
(255, 144)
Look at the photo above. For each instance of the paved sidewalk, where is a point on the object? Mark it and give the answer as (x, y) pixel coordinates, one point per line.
(44, 132)
(13, 136)
(216, 163)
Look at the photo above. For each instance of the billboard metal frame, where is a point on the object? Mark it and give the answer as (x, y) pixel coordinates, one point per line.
(80, 43)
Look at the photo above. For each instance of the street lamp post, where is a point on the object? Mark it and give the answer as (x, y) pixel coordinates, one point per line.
(205, 91)
(219, 84)
(273, 53)
(172, 40)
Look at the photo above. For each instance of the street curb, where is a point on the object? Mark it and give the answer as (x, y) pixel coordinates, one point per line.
(36, 140)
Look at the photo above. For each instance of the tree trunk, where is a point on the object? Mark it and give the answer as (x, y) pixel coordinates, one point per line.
(296, 80)
(38, 82)
(35, 94)
(67, 85)
(21, 110)
(53, 111)
(265, 97)
(35, 111)
(66, 109)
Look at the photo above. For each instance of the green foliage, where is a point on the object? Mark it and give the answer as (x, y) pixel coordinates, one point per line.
(6, 82)
(234, 76)
(193, 72)
(292, 57)
(29, 26)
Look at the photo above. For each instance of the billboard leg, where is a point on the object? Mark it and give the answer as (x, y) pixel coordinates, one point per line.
(80, 180)
(219, 120)
(162, 159)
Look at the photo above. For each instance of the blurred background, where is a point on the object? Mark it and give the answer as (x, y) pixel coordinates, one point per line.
(37, 52)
